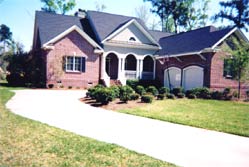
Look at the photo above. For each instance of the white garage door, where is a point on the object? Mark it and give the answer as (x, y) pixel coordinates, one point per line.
(172, 77)
(192, 77)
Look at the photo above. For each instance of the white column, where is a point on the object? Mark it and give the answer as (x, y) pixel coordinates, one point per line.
(154, 69)
(103, 62)
(141, 68)
(137, 69)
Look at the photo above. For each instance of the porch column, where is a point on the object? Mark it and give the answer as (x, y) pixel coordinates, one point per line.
(103, 62)
(141, 68)
(154, 68)
(138, 69)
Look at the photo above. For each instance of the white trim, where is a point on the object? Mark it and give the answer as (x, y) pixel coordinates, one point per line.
(144, 46)
(132, 21)
(222, 39)
(76, 28)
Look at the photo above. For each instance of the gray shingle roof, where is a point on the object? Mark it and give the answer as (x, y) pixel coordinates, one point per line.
(50, 25)
(159, 34)
(191, 41)
(106, 23)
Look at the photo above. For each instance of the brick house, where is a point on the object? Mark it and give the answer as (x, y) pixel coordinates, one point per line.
(93, 47)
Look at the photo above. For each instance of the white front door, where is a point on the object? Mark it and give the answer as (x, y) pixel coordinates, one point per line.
(192, 77)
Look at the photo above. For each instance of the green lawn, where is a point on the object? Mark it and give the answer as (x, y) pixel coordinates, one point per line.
(224, 116)
(24, 142)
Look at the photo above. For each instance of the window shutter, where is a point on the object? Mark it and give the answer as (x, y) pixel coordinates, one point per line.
(83, 64)
(64, 63)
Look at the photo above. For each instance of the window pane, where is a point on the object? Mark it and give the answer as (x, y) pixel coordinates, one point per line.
(69, 65)
(77, 64)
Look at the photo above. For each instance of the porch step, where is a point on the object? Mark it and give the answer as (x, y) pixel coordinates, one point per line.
(115, 82)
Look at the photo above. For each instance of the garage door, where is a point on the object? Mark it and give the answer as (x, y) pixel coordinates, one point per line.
(192, 77)
(172, 77)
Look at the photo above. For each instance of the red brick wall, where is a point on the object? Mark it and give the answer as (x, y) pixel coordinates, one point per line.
(184, 62)
(217, 81)
(213, 70)
(72, 45)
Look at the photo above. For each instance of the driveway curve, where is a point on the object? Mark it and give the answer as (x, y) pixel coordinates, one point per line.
(178, 144)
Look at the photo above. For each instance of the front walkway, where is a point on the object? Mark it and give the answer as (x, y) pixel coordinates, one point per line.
(178, 144)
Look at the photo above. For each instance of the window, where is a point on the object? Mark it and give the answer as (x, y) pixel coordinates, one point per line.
(228, 68)
(132, 39)
(75, 64)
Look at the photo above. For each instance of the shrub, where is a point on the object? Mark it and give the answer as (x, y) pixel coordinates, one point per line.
(147, 98)
(247, 94)
(217, 95)
(176, 91)
(171, 96)
(92, 91)
(116, 91)
(132, 83)
(125, 93)
(191, 96)
(160, 97)
(104, 95)
(180, 95)
(134, 96)
(235, 94)
(140, 90)
(153, 90)
(189, 93)
(227, 94)
(50, 86)
(163, 90)
(203, 93)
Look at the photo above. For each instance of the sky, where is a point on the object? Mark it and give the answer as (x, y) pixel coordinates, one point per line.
(19, 15)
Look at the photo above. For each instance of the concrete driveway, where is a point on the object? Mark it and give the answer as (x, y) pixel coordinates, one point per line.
(178, 144)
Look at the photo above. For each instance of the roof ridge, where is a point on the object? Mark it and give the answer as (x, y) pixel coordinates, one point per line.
(112, 14)
(51, 13)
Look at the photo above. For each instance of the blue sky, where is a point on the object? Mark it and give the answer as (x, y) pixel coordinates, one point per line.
(19, 14)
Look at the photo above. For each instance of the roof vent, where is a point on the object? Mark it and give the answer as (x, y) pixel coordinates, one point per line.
(80, 13)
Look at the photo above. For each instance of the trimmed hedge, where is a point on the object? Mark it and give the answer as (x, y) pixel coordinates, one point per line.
(171, 96)
(140, 90)
(176, 91)
(134, 96)
(163, 90)
(104, 95)
(153, 90)
(147, 99)
(160, 97)
(125, 93)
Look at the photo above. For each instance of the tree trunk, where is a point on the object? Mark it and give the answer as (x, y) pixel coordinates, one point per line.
(239, 82)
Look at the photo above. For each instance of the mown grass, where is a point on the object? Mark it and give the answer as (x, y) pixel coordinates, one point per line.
(24, 142)
(225, 116)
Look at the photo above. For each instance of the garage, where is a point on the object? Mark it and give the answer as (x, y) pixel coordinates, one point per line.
(192, 77)
(172, 77)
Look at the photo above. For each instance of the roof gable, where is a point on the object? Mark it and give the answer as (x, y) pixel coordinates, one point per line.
(71, 29)
(50, 25)
(132, 29)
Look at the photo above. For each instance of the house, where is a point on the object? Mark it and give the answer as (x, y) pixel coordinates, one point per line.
(93, 47)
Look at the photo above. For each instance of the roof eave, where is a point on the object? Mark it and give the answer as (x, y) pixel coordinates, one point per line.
(69, 30)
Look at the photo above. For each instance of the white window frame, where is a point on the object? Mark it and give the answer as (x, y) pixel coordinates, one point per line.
(74, 67)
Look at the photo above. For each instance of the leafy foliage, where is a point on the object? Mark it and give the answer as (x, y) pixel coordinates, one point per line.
(104, 95)
(125, 93)
(176, 91)
(58, 6)
(235, 11)
(140, 90)
(134, 96)
(153, 90)
(163, 90)
(147, 98)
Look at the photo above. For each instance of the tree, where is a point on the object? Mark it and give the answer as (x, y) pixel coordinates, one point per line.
(197, 15)
(5, 35)
(239, 62)
(58, 6)
(236, 11)
(100, 7)
(142, 12)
